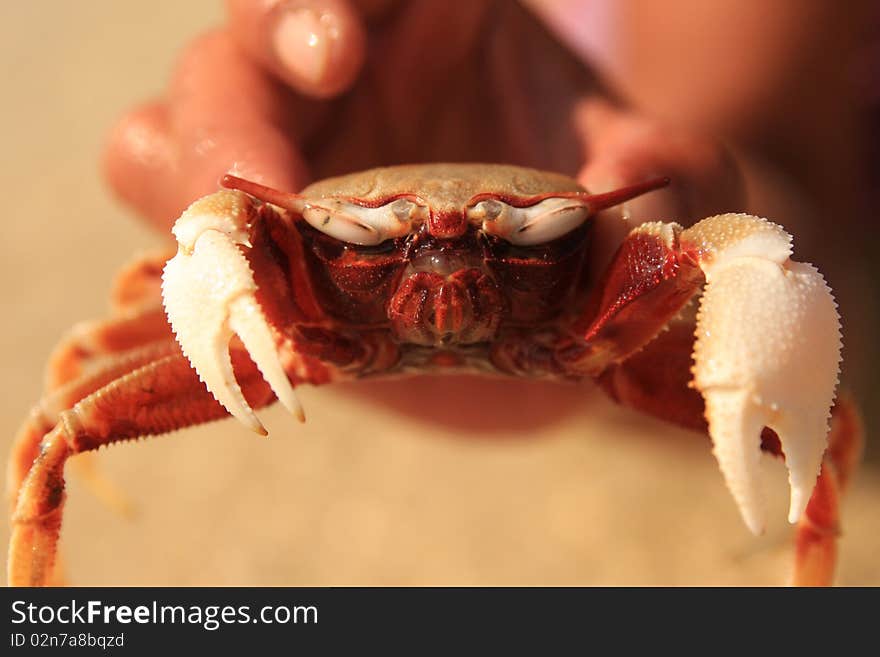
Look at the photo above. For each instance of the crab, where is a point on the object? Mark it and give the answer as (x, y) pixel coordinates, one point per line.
(449, 268)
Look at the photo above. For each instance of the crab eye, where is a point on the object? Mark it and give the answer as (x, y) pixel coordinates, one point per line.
(403, 210)
(488, 210)
(536, 224)
(356, 224)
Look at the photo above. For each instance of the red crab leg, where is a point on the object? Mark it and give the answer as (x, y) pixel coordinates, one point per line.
(44, 416)
(159, 397)
(139, 319)
(99, 349)
(89, 343)
(657, 379)
(139, 284)
(96, 347)
(649, 281)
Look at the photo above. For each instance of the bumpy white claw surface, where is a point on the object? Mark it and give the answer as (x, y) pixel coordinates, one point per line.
(208, 290)
(767, 354)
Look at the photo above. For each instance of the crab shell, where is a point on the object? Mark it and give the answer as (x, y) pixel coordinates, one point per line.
(447, 254)
(445, 281)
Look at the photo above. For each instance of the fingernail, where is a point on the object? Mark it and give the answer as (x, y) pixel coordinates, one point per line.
(302, 43)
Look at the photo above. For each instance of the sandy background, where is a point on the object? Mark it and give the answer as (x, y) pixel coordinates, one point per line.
(570, 491)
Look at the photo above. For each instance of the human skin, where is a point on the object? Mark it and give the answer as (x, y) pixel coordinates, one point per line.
(286, 93)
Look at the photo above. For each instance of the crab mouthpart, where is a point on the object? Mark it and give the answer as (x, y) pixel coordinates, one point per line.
(442, 263)
(441, 308)
(208, 290)
(767, 354)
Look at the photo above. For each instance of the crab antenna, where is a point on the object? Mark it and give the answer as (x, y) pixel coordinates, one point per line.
(286, 200)
(597, 202)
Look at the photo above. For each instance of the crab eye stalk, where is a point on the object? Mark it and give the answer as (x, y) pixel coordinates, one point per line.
(553, 219)
(361, 225)
(536, 224)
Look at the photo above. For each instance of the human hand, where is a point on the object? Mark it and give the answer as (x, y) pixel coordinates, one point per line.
(289, 92)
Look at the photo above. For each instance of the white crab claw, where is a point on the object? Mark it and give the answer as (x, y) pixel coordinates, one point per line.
(767, 354)
(208, 290)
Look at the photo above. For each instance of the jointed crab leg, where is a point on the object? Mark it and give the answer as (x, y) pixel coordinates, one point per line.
(161, 396)
(138, 285)
(657, 379)
(91, 355)
(137, 319)
(91, 343)
(94, 353)
(45, 415)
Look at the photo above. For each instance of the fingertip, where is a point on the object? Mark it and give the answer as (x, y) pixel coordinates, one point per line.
(315, 46)
(320, 49)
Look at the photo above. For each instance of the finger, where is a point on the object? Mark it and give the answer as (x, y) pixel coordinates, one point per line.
(315, 46)
(141, 163)
(624, 148)
(229, 117)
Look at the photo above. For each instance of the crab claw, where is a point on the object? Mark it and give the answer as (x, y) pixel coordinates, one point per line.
(767, 354)
(208, 291)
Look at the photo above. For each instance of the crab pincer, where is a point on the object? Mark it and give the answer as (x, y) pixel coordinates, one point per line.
(209, 294)
(767, 354)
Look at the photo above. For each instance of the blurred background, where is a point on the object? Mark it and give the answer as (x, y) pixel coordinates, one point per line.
(564, 488)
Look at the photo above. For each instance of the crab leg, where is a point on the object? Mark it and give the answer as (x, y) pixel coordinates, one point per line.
(161, 396)
(89, 356)
(768, 344)
(138, 319)
(138, 285)
(45, 415)
(656, 380)
(88, 345)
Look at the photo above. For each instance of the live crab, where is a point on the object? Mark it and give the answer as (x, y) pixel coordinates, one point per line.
(450, 268)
